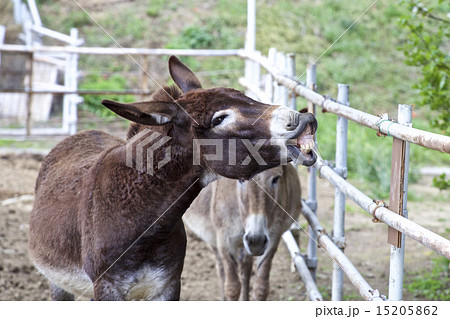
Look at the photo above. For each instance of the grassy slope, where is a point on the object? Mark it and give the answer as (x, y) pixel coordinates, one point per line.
(366, 57)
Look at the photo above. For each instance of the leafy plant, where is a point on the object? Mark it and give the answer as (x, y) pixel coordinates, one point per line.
(155, 7)
(428, 34)
(92, 103)
(441, 182)
(434, 284)
(76, 20)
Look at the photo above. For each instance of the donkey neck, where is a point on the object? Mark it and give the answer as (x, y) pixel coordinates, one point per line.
(160, 198)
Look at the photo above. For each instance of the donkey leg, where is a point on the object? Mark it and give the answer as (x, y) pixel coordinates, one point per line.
(245, 270)
(232, 285)
(59, 294)
(105, 290)
(261, 286)
(220, 271)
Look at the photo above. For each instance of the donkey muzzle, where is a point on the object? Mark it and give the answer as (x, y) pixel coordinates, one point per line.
(256, 244)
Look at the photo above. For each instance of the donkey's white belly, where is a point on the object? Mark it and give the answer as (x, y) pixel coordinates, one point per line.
(148, 283)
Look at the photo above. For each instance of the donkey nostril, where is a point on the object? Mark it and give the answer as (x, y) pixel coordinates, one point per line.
(256, 240)
(293, 122)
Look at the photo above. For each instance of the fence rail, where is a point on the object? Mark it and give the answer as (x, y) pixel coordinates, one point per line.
(70, 90)
(422, 235)
(15, 48)
(280, 81)
(423, 138)
(339, 257)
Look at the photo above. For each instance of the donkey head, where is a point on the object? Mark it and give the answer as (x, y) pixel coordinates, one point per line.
(258, 199)
(226, 132)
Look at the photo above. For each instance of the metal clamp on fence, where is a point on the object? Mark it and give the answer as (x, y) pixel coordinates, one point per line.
(312, 204)
(376, 296)
(384, 118)
(311, 262)
(342, 171)
(340, 242)
(379, 203)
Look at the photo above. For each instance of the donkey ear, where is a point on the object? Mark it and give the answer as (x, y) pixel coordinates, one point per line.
(182, 75)
(147, 113)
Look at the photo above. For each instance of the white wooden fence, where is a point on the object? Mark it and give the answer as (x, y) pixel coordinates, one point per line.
(40, 74)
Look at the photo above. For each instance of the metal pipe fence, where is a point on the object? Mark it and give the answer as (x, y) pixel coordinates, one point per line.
(401, 130)
(383, 124)
(339, 257)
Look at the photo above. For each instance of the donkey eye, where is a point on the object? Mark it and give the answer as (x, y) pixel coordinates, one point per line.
(216, 121)
(275, 180)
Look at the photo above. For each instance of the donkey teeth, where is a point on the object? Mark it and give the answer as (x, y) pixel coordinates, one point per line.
(305, 147)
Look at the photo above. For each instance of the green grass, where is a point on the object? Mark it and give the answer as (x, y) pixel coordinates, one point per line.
(36, 144)
(434, 284)
(352, 296)
(93, 104)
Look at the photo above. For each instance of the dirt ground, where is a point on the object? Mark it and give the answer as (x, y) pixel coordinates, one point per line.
(366, 243)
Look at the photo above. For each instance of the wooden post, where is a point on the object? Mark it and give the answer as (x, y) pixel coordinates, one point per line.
(2, 38)
(280, 95)
(290, 68)
(70, 101)
(397, 184)
(29, 93)
(398, 203)
(250, 41)
(269, 88)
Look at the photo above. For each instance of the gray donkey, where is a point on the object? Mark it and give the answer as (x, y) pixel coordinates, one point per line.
(240, 220)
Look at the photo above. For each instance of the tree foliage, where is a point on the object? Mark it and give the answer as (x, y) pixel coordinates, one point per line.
(427, 46)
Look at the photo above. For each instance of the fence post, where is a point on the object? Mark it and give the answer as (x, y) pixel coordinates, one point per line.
(269, 85)
(34, 12)
(311, 83)
(29, 38)
(398, 203)
(144, 76)
(17, 11)
(30, 93)
(2, 38)
(256, 72)
(250, 42)
(339, 197)
(290, 67)
(280, 96)
(71, 83)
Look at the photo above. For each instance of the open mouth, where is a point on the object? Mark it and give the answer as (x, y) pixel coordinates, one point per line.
(301, 148)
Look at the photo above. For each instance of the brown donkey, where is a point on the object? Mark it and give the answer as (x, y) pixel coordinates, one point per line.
(245, 221)
(104, 227)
